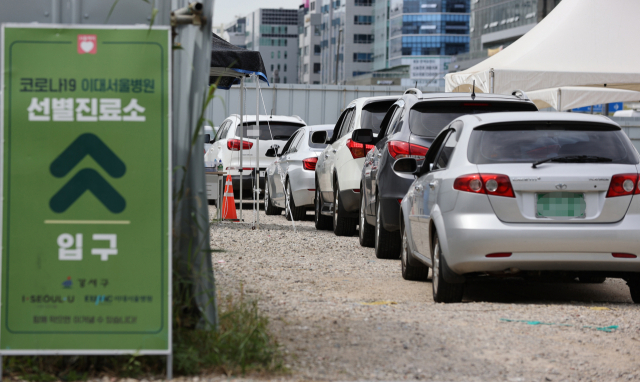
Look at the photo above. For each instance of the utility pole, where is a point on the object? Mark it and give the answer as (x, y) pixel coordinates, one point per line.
(338, 54)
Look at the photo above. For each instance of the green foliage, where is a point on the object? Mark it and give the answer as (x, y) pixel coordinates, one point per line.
(243, 344)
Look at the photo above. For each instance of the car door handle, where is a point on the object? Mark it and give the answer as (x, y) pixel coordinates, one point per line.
(418, 187)
(433, 185)
(379, 154)
(334, 150)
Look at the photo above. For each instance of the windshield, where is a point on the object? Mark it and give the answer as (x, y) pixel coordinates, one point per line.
(281, 131)
(427, 119)
(320, 145)
(528, 143)
(373, 114)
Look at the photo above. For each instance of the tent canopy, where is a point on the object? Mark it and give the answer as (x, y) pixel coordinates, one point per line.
(571, 97)
(580, 43)
(229, 63)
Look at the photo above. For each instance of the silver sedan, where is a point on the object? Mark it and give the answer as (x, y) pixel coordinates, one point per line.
(290, 178)
(523, 194)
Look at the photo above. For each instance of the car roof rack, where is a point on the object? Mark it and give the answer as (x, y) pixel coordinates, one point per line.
(520, 94)
(415, 91)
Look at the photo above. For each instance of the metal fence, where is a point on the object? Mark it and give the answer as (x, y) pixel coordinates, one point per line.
(315, 104)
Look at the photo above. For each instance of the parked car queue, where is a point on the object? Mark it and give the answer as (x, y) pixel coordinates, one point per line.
(469, 186)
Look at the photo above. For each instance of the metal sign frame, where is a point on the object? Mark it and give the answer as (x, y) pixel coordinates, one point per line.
(168, 351)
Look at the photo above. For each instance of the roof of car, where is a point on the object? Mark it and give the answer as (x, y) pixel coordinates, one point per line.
(360, 102)
(532, 116)
(270, 118)
(467, 96)
(320, 127)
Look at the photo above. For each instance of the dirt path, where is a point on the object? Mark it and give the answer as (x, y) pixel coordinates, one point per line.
(317, 289)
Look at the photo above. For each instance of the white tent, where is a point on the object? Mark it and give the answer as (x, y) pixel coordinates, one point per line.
(571, 97)
(580, 43)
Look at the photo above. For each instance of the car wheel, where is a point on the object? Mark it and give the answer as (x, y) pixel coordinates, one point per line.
(590, 279)
(322, 222)
(410, 272)
(342, 226)
(442, 290)
(387, 243)
(366, 234)
(634, 288)
(291, 211)
(269, 208)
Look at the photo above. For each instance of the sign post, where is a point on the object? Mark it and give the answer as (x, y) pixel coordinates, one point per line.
(86, 176)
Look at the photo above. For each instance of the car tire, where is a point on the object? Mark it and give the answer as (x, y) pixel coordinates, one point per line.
(366, 231)
(269, 208)
(290, 210)
(322, 222)
(634, 288)
(410, 272)
(590, 279)
(342, 226)
(387, 244)
(442, 290)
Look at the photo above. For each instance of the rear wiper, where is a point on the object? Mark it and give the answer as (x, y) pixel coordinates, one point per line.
(573, 158)
(281, 137)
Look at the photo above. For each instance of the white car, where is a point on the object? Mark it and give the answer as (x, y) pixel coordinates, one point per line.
(274, 130)
(339, 167)
(291, 177)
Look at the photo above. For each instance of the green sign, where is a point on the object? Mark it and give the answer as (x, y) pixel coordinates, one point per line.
(86, 190)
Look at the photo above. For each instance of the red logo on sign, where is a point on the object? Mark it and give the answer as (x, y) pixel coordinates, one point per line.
(87, 43)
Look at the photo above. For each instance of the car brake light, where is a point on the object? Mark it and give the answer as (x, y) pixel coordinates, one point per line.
(358, 150)
(234, 145)
(310, 163)
(502, 254)
(490, 184)
(624, 255)
(476, 104)
(399, 149)
(623, 184)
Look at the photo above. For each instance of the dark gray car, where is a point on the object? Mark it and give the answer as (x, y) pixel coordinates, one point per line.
(407, 131)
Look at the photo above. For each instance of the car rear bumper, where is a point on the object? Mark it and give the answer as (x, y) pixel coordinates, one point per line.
(303, 184)
(539, 247)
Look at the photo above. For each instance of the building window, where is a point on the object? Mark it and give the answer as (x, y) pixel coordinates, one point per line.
(285, 79)
(278, 54)
(364, 3)
(306, 68)
(363, 20)
(285, 67)
(363, 57)
(362, 38)
(316, 68)
(316, 82)
(313, 6)
(278, 67)
(317, 50)
(316, 30)
(285, 54)
(272, 54)
(272, 67)
(306, 50)
(355, 74)
(306, 31)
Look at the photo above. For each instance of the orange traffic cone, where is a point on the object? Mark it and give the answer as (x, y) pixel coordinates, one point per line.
(228, 202)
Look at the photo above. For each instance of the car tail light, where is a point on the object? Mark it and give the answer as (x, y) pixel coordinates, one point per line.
(624, 255)
(234, 145)
(356, 190)
(399, 149)
(310, 163)
(358, 150)
(501, 254)
(623, 184)
(490, 184)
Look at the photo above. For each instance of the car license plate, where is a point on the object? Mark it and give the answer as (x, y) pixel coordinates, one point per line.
(560, 204)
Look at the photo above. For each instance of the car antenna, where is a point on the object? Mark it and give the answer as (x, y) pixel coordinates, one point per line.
(473, 90)
(271, 116)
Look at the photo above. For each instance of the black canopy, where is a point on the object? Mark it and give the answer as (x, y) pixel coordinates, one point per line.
(229, 63)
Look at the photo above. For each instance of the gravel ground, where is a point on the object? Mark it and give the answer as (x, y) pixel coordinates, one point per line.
(342, 314)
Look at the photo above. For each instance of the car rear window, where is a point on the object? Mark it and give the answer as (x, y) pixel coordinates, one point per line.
(373, 114)
(280, 131)
(427, 119)
(320, 145)
(528, 143)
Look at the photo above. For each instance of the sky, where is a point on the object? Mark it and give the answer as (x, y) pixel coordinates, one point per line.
(225, 11)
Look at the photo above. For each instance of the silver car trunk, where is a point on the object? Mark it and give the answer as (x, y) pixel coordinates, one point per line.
(572, 181)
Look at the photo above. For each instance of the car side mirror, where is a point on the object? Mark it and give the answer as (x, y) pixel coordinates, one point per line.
(207, 138)
(319, 137)
(272, 153)
(364, 136)
(405, 165)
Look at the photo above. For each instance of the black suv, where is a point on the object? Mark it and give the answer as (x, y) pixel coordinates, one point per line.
(407, 130)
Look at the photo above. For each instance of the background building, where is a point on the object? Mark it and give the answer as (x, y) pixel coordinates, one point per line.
(416, 39)
(496, 25)
(310, 42)
(274, 33)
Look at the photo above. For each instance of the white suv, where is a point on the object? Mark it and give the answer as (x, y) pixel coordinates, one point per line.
(339, 167)
(274, 130)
